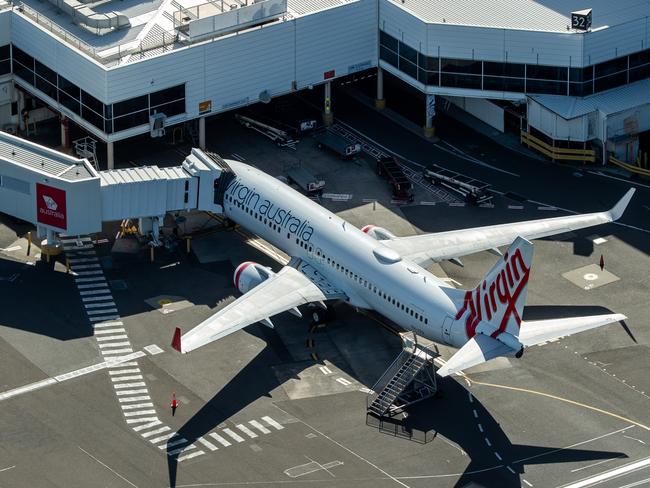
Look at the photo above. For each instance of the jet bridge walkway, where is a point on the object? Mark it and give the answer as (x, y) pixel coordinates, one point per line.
(411, 378)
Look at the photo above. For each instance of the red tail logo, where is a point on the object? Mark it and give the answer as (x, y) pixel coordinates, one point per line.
(487, 299)
(176, 341)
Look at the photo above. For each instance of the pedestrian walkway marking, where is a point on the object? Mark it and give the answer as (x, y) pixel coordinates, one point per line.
(97, 312)
(115, 344)
(99, 305)
(116, 351)
(133, 363)
(246, 431)
(104, 318)
(86, 266)
(325, 370)
(190, 456)
(181, 449)
(109, 324)
(126, 378)
(108, 331)
(89, 273)
(259, 427)
(124, 371)
(207, 444)
(177, 442)
(156, 440)
(219, 439)
(343, 381)
(119, 386)
(135, 398)
(164, 428)
(137, 405)
(140, 412)
(132, 392)
(153, 349)
(236, 437)
(94, 292)
(272, 423)
(90, 279)
(147, 426)
(112, 337)
(83, 260)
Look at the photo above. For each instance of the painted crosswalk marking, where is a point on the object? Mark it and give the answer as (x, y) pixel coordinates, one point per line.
(135, 398)
(259, 427)
(94, 292)
(126, 378)
(246, 431)
(121, 365)
(124, 371)
(272, 423)
(325, 370)
(104, 318)
(132, 406)
(102, 298)
(114, 323)
(90, 279)
(207, 444)
(90, 273)
(156, 440)
(114, 344)
(343, 381)
(219, 439)
(147, 426)
(181, 449)
(99, 305)
(132, 392)
(108, 331)
(189, 456)
(112, 338)
(119, 386)
(234, 436)
(140, 412)
(177, 442)
(164, 428)
(117, 351)
(103, 311)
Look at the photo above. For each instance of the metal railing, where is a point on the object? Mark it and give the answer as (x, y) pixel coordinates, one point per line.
(557, 153)
(629, 167)
(398, 428)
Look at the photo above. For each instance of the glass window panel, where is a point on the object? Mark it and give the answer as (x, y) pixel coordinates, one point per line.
(541, 86)
(427, 62)
(405, 66)
(169, 109)
(389, 41)
(131, 120)
(607, 82)
(70, 88)
(504, 69)
(23, 58)
(91, 102)
(5, 52)
(461, 81)
(612, 66)
(169, 95)
(555, 73)
(108, 126)
(461, 66)
(503, 84)
(131, 105)
(428, 77)
(92, 117)
(108, 111)
(45, 72)
(636, 59)
(46, 87)
(408, 52)
(581, 74)
(5, 67)
(23, 72)
(640, 73)
(69, 102)
(388, 55)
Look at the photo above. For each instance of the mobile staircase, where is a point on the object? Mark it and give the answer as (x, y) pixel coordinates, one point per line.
(409, 379)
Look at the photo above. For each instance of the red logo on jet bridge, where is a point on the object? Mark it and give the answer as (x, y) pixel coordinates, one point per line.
(504, 288)
(50, 206)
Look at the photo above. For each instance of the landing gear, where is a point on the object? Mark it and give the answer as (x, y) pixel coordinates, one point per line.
(322, 316)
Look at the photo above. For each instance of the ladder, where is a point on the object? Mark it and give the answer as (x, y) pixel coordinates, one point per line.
(409, 379)
(86, 147)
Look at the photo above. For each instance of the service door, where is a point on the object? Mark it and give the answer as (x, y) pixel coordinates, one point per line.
(446, 329)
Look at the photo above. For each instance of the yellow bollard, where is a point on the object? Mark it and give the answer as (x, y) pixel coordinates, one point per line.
(188, 241)
(151, 254)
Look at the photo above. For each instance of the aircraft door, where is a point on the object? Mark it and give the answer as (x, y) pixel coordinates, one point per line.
(446, 329)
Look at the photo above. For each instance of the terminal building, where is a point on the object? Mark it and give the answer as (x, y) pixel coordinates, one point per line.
(564, 76)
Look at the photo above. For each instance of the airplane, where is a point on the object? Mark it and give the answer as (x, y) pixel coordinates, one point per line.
(371, 268)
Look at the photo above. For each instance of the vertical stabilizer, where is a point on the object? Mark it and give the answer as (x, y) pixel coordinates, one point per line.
(496, 305)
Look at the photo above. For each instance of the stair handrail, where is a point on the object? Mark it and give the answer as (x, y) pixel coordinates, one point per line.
(386, 376)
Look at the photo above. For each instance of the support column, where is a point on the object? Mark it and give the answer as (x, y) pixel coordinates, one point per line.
(65, 132)
(202, 132)
(110, 160)
(328, 115)
(429, 129)
(380, 102)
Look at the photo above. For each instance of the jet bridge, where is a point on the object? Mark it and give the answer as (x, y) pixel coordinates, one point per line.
(61, 194)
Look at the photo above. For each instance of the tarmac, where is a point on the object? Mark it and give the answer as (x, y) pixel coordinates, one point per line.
(287, 406)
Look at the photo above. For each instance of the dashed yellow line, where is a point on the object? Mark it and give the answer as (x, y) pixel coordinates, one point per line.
(565, 400)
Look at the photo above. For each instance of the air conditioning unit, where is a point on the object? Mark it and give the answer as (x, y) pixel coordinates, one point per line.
(157, 125)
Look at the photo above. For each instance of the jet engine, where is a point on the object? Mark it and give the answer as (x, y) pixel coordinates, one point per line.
(378, 233)
(249, 274)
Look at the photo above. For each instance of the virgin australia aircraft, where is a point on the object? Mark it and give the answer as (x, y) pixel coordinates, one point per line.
(373, 269)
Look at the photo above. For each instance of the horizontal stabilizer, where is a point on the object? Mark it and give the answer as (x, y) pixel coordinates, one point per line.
(477, 350)
(536, 331)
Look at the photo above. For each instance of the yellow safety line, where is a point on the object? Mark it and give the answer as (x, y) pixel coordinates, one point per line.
(566, 400)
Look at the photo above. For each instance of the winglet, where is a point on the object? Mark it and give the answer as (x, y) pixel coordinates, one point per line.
(176, 341)
(617, 210)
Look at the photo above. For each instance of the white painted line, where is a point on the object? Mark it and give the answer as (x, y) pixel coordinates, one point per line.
(475, 413)
(259, 427)
(8, 468)
(164, 428)
(189, 456)
(600, 240)
(137, 405)
(456, 204)
(94, 292)
(85, 266)
(89, 273)
(108, 352)
(141, 420)
(546, 208)
(272, 423)
(153, 349)
(515, 207)
(114, 344)
(109, 324)
(147, 426)
(219, 439)
(111, 337)
(498, 456)
(100, 305)
(83, 260)
(120, 386)
(246, 431)
(76, 248)
(175, 452)
(124, 371)
(471, 398)
(90, 279)
(325, 370)
(134, 392)
(487, 441)
(115, 379)
(177, 442)
(134, 399)
(480, 427)
(67, 240)
(104, 310)
(610, 474)
(428, 203)
(11, 249)
(510, 469)
(527, 483)
(236, 437)
(103, 318)
(27, 388)
(83, 253)
(108, 331)
(156, 440)
(139, 412)
(343, 381)
(207, 444)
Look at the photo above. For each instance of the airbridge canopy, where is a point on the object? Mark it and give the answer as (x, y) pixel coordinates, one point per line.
(65, 194)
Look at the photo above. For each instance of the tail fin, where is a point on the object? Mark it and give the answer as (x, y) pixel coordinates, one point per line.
(497, 303)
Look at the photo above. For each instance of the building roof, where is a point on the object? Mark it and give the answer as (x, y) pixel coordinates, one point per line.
(534, 15)
(608, 102)
(42, 159)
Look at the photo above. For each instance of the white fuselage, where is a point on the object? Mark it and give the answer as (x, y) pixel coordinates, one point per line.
(372, 275)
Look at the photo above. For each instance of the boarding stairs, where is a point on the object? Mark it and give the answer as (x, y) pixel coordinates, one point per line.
(409, 379)
(86, 147)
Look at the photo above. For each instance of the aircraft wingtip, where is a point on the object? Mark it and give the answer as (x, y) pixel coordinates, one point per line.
(176, 341)
(617, 211)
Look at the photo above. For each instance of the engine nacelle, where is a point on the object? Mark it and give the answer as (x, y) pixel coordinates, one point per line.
(249, 274)
(378, 233)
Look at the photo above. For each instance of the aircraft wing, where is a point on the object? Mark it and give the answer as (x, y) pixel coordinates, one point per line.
(296, 284)
(477, 350)
(428, 248)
